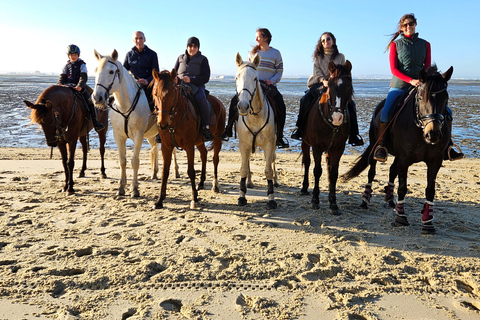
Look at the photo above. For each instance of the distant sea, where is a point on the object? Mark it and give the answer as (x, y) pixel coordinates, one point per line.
(18, 132)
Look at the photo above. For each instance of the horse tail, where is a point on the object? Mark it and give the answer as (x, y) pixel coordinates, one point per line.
(360, 164)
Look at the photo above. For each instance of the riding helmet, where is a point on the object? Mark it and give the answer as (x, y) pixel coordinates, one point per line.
(71, 49)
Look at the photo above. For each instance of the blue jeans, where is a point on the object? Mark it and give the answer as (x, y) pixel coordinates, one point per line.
(202, 103)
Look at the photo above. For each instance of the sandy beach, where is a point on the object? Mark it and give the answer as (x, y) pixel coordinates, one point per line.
(94, 255)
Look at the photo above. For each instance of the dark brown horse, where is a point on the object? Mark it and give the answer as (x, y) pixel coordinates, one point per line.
(417, 133)
(64, 119)
(327, 131)
(179, 127)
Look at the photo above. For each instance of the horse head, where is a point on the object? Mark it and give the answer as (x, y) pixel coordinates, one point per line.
(107, 79)
(248, 87)
(164, 94)
(431, 101)
(339, 92)
(44, 114)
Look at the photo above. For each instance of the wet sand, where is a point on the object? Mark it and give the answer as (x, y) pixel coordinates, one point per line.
(94, 255)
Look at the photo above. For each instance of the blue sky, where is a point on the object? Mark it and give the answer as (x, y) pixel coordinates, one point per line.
(34, 34)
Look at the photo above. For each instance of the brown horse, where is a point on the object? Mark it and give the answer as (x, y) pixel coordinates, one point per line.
(417, 133)
(64, 118)
(327, 131)
(179, 127)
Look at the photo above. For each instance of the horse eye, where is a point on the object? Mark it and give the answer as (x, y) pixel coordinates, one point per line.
(111, 71)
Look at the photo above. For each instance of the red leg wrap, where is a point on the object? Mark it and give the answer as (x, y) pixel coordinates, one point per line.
(427, 212)
(367, 193)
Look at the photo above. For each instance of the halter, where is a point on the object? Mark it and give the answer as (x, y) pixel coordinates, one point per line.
(423, 121)
(252, 94)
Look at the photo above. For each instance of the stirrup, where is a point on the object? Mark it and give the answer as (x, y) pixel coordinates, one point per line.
(459, 156)
(377, 149)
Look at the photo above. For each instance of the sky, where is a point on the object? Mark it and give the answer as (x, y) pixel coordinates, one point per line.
(34, 34)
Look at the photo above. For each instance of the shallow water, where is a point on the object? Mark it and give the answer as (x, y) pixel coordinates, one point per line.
(18, 132)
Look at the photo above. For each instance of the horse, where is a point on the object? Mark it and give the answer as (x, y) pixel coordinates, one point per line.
(255, 128)
(63, 115)
(131, 118)
(327, 130)
(180, 127)
(416, 133)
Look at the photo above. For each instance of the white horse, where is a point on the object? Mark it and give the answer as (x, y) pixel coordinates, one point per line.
(255, 127)
(131, 118)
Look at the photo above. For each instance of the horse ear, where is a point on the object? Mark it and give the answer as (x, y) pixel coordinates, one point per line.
(348, 66)
(332, 67)
(97, 55)
(448, 74)
(238, 59)
(173, 74)
(155, 74)
(256, 60)
(29, 104)
(114, 55)
(422, 75)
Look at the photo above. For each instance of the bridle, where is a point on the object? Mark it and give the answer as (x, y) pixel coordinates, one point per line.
(423, 121)
(332, 108)
(252, 94)
(117, 72)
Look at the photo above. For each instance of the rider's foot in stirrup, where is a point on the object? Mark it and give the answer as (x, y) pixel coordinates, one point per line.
(158, 139)
(207, 134)
(98, 126)
(453, 155)
(226, 134)
(297, 134)
(282, 143)
(381, 154)
(355, 140)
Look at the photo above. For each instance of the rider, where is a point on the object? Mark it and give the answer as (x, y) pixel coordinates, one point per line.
(325, 51)
(270, 73)
(408, 55)
(140, 61)
(193, 69)
(75, 73)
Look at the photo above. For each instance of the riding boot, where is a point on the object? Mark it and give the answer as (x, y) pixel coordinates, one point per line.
(96, 124)
(232, 116)
(281, 116)
(381, 152)
(207, 134)
(354, 139)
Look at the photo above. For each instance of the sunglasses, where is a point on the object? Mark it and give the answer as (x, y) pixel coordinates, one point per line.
(411, 24)
(326, 39)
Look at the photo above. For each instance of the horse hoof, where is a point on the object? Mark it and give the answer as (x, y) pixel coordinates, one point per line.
(401, 221)
(121, 193)
(216, 189)
(428, 228)
(193, 204)
(201, 187)
(391, 204)
(304, 192)
(276, 185)
(315, 206)
(250, 185)
(364, 205)
(135, 194)
(272, 204)
(242, 201)
(81, 175)
(335, 212)
(157, 206)
(104, 176)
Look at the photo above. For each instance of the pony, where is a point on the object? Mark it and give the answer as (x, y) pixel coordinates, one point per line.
(416, 133)
(180, 127)
(327, 130)
(255, 128)
(62, 114)
(131, 118)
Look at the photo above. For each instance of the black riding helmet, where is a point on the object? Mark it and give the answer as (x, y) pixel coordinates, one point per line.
(71, 49)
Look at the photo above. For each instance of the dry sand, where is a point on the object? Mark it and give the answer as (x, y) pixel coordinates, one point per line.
(94, 255)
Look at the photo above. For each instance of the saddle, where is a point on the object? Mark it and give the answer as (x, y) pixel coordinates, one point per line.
(396, 105)
(188, 91)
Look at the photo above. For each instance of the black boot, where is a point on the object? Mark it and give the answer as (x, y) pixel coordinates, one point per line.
(451, 154)
(232, 116)
(282, 143)
(381, 153)
(98, 126)
(207, 134)
(354, 138)
(158, 139)
(297, 134)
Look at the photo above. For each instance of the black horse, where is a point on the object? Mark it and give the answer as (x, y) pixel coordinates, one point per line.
(417, 132)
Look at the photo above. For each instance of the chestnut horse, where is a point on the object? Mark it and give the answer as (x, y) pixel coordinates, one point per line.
(255, 127)
(417, 133)
(180, 128)
(327, 131)
(63, 116)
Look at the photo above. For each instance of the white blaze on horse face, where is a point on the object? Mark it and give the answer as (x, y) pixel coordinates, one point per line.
(337, 117)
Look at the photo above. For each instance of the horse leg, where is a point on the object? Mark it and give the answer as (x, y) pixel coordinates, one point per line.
(367, 192)
(400, 215)
(167, 158)
(389, 188)
(191, 174)
(306, 165)
(317, 172)
(177, 173)
(203, 156)
(333, 160)
(122, 158)
(270, 174)
(83, 141)
(72, 146)
(63, 152)
(275, 178)
(244, 174)
(427, 211)
(137, 146)
(217, 146)
(153, 157)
